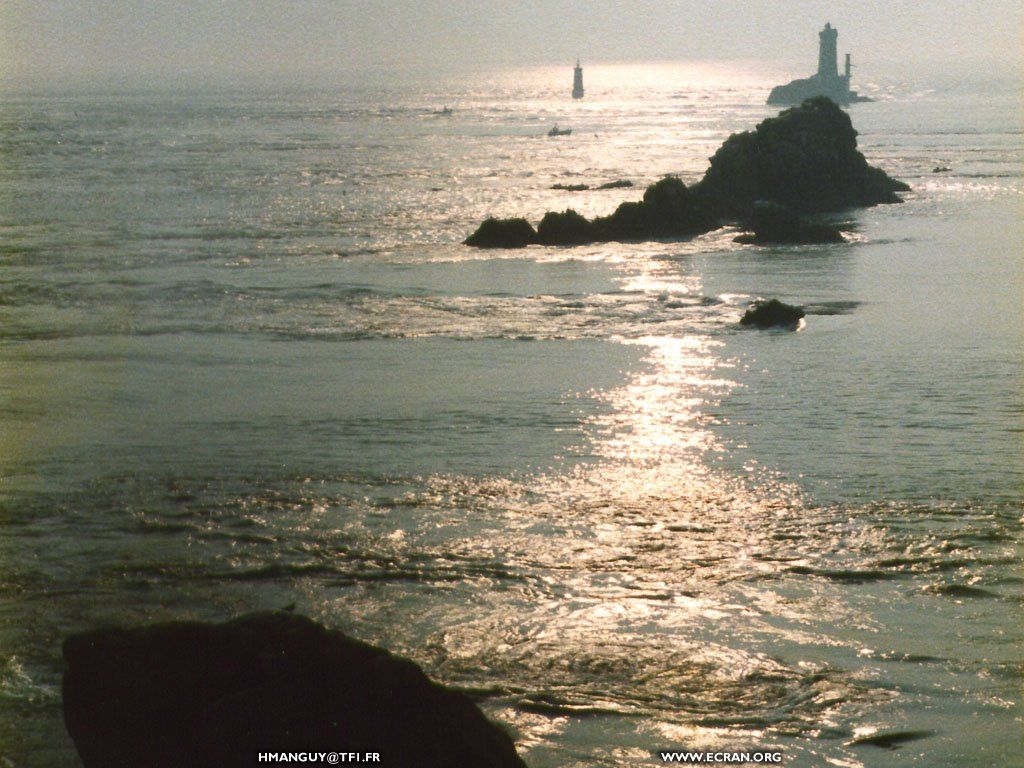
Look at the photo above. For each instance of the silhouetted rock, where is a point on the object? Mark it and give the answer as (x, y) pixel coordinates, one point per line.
(571, 187)
(668, 209)
(503, 233)
(941, 169)
(197, 695)
(772, 313)
(774, 223)
(619, 184)
(805, 159)
(566, 228)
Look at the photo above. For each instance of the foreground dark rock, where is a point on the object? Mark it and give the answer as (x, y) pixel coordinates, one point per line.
(216, 695)
(773, 223)
(503, 233)
(669, 209)
(805, 160)
(566, 228)
(771, 314)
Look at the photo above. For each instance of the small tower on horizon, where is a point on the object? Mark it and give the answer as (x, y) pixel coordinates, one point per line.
(577, 81)
(828, 65)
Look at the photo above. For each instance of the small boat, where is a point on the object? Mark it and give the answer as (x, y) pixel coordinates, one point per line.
(556, 131)
(446, 112)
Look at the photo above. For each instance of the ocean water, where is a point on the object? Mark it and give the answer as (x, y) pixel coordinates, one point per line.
(245, 362)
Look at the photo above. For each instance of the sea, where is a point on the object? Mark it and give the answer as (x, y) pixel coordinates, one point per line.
(247, 364)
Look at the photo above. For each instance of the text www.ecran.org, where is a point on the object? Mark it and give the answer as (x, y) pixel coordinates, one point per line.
(721, 758)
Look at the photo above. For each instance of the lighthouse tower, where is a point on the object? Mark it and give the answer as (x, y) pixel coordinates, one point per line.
(577, 81)
(828, 67)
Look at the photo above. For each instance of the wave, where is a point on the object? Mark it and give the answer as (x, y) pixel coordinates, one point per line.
(327, 311)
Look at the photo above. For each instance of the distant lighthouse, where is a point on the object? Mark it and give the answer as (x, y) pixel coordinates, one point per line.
(826, 81)
(577, 81)
(827, 69)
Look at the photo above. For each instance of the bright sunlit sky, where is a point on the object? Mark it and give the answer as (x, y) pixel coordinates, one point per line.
(82, 41)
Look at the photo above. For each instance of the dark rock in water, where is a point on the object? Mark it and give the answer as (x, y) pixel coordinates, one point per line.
(941, 169)
(805, 159)
(620, 184)
(774, 223)
(196, 695)
(772, 313)
(566, 228)
(503, 233)
(668, 209)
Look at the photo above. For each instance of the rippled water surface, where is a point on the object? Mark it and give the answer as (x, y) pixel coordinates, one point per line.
(245, 362)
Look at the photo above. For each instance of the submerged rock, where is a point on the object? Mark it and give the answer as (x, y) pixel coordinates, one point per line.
(619, 184)
(190, 694)
(890, 739)
(806, 159)
(774, 223)
(503, 233)
(772, 313)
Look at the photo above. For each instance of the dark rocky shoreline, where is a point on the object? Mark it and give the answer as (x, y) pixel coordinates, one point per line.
(202, 695)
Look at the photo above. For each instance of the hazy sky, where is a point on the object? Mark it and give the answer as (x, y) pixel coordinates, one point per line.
(77, 41)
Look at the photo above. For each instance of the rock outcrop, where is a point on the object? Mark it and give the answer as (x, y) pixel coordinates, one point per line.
(775, 224)
(669, 209)
(772, 314)
(198, 695)
(566, 228)
(618, 184)
(503, 233)
(805, 159)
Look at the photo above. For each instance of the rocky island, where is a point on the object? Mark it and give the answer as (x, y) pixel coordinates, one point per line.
(804, 161)
(825, 82)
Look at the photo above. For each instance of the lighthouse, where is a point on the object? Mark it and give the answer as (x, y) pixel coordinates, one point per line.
(577, 81)
(827, 68)
(826, 81)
